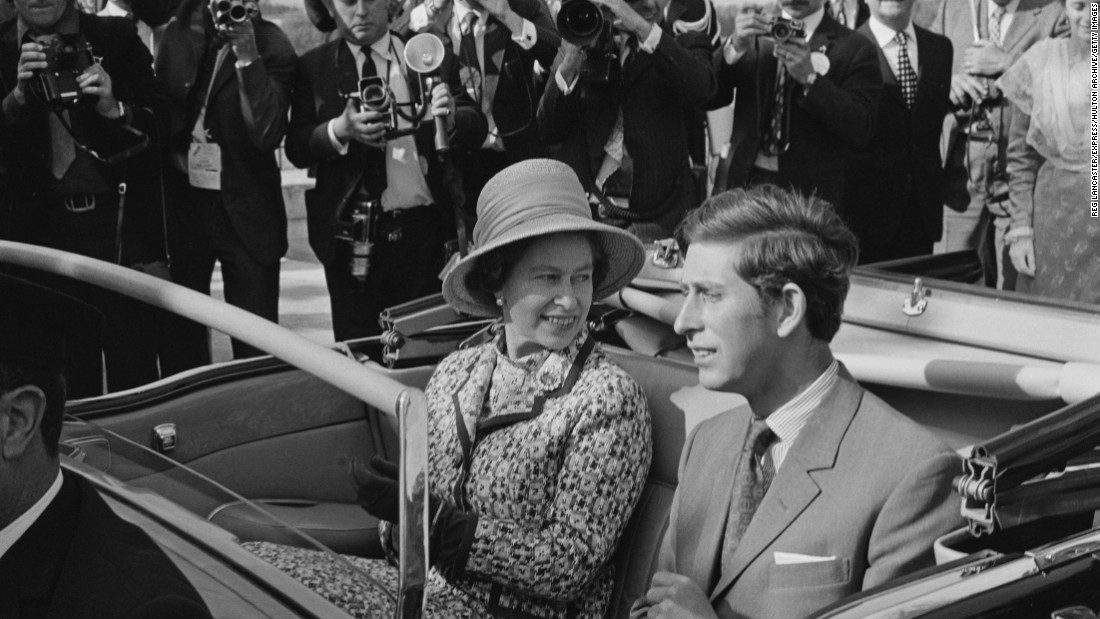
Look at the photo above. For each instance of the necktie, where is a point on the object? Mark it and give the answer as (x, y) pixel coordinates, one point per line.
(62, 149)
(752, 477)
(995, 24)
(775, 142)
(467, 51)
(907, 78)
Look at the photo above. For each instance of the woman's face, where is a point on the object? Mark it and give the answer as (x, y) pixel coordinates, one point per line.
(547, 294)
(1077, 12)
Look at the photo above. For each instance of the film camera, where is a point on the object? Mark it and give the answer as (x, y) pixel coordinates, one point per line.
(783, 30)
(66, 59)
(227, 12)
(375, 95)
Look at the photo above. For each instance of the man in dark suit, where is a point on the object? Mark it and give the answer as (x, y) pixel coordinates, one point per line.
(817, 489)
(830, 84)
(895, 187)
(63, 552)
(393, 180)
(64, 189)
(626, 136)
(229, 89)
(989, 36)
(497, 43)
(848, 13)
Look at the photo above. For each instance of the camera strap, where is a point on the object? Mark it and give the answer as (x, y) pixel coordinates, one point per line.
(141, 142)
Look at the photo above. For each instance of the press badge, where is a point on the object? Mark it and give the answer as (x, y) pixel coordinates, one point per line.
(204, 166)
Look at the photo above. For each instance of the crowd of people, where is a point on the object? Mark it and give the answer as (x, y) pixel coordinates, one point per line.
(894, 111)
(575, 146)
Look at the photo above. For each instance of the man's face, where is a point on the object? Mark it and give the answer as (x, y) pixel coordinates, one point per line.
(649, 10)
(731, 332)
(360, 21)
(41, 15)
(892, 11)
(799, 9)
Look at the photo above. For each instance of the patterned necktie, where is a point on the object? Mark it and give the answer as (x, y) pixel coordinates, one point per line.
(775, 142)
(907, 78)
(995, 24)
(752, 477)
(467, 52)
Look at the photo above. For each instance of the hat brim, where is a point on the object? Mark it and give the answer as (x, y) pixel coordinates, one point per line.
(625, 257)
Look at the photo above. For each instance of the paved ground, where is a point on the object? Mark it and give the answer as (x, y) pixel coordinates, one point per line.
(303, 298)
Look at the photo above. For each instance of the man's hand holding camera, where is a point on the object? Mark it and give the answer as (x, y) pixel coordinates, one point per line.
(792, 51)
(443, 105)
(242, 36)
(94, 81)
(627, 19)
(985, 58)
(361, 124)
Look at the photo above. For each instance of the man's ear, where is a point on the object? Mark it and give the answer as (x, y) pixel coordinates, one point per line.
(791, 309)
(21, 411)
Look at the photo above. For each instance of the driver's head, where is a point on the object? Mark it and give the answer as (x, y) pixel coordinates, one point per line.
(39, 329)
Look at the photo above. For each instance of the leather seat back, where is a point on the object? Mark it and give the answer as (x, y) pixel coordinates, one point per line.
(676, 404)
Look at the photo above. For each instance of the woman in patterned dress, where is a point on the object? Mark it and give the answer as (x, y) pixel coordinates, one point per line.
(1053, 241)
(539, 442)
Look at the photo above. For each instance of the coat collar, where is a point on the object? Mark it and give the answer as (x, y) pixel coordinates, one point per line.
(794, 487)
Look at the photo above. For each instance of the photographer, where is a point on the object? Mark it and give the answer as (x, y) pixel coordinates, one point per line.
(804, 102)
(228, 85)
(76, 87)
(497, 43)
(617, 107)
(988, 36)
(391, 182)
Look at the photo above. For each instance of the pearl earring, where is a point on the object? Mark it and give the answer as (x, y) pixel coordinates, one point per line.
(500, 301)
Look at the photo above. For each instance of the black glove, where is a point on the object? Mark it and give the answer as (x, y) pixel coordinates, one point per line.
(376, 487)
(452, 530)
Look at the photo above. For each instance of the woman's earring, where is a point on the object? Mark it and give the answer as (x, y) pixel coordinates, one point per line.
(500, 301)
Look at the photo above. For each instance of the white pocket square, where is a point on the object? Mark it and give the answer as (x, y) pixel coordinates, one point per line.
(794, 558)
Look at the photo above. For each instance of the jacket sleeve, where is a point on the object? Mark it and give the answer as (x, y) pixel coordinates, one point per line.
(600, 481)
(471, 126)
(1022, 164)
(307, 141)
(729, 77)
(265, 86)
(558, 112)
(921, 508)
(685, 63)
(847, 104)
(547, 39)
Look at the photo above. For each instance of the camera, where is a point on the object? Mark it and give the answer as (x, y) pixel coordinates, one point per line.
(587, 24)
(783, 30)
(359, 228)
(375, 95)
(66, 60)
(226, 12)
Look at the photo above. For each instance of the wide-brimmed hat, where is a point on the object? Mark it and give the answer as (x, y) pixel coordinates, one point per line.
(535, 198)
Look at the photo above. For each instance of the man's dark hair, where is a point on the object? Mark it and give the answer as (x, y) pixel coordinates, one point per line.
(784, 237)
(52, 383)
(489, 272)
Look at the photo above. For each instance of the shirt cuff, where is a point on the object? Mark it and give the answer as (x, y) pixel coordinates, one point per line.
(340, 148)
(562, 86)
(242, 64)
(527, 36)
(729, 54)
(419, 18)
(649, 45)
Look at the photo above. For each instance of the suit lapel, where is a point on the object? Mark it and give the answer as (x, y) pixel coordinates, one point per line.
(1024, 19)
(794, 488)
(719, 494)
(889, 80)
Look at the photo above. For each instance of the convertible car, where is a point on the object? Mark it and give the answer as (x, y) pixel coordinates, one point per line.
(258, 450)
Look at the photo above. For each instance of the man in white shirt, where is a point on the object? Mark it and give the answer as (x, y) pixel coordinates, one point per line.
(817, 489)
(803, 104)
(389, 177)
(498, 44)
(63, 552)
(894, 194)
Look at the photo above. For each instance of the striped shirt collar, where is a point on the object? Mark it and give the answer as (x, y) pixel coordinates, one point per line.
(788, 420)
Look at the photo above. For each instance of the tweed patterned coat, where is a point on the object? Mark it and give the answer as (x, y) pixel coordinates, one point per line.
(553, 476)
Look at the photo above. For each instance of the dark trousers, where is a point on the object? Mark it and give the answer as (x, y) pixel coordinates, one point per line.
(249, 284)
(909, 241)
(405, 265)
(128, 338)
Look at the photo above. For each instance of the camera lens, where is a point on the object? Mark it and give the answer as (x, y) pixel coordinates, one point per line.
(781, 31)
(374, 97)
(581, 19)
